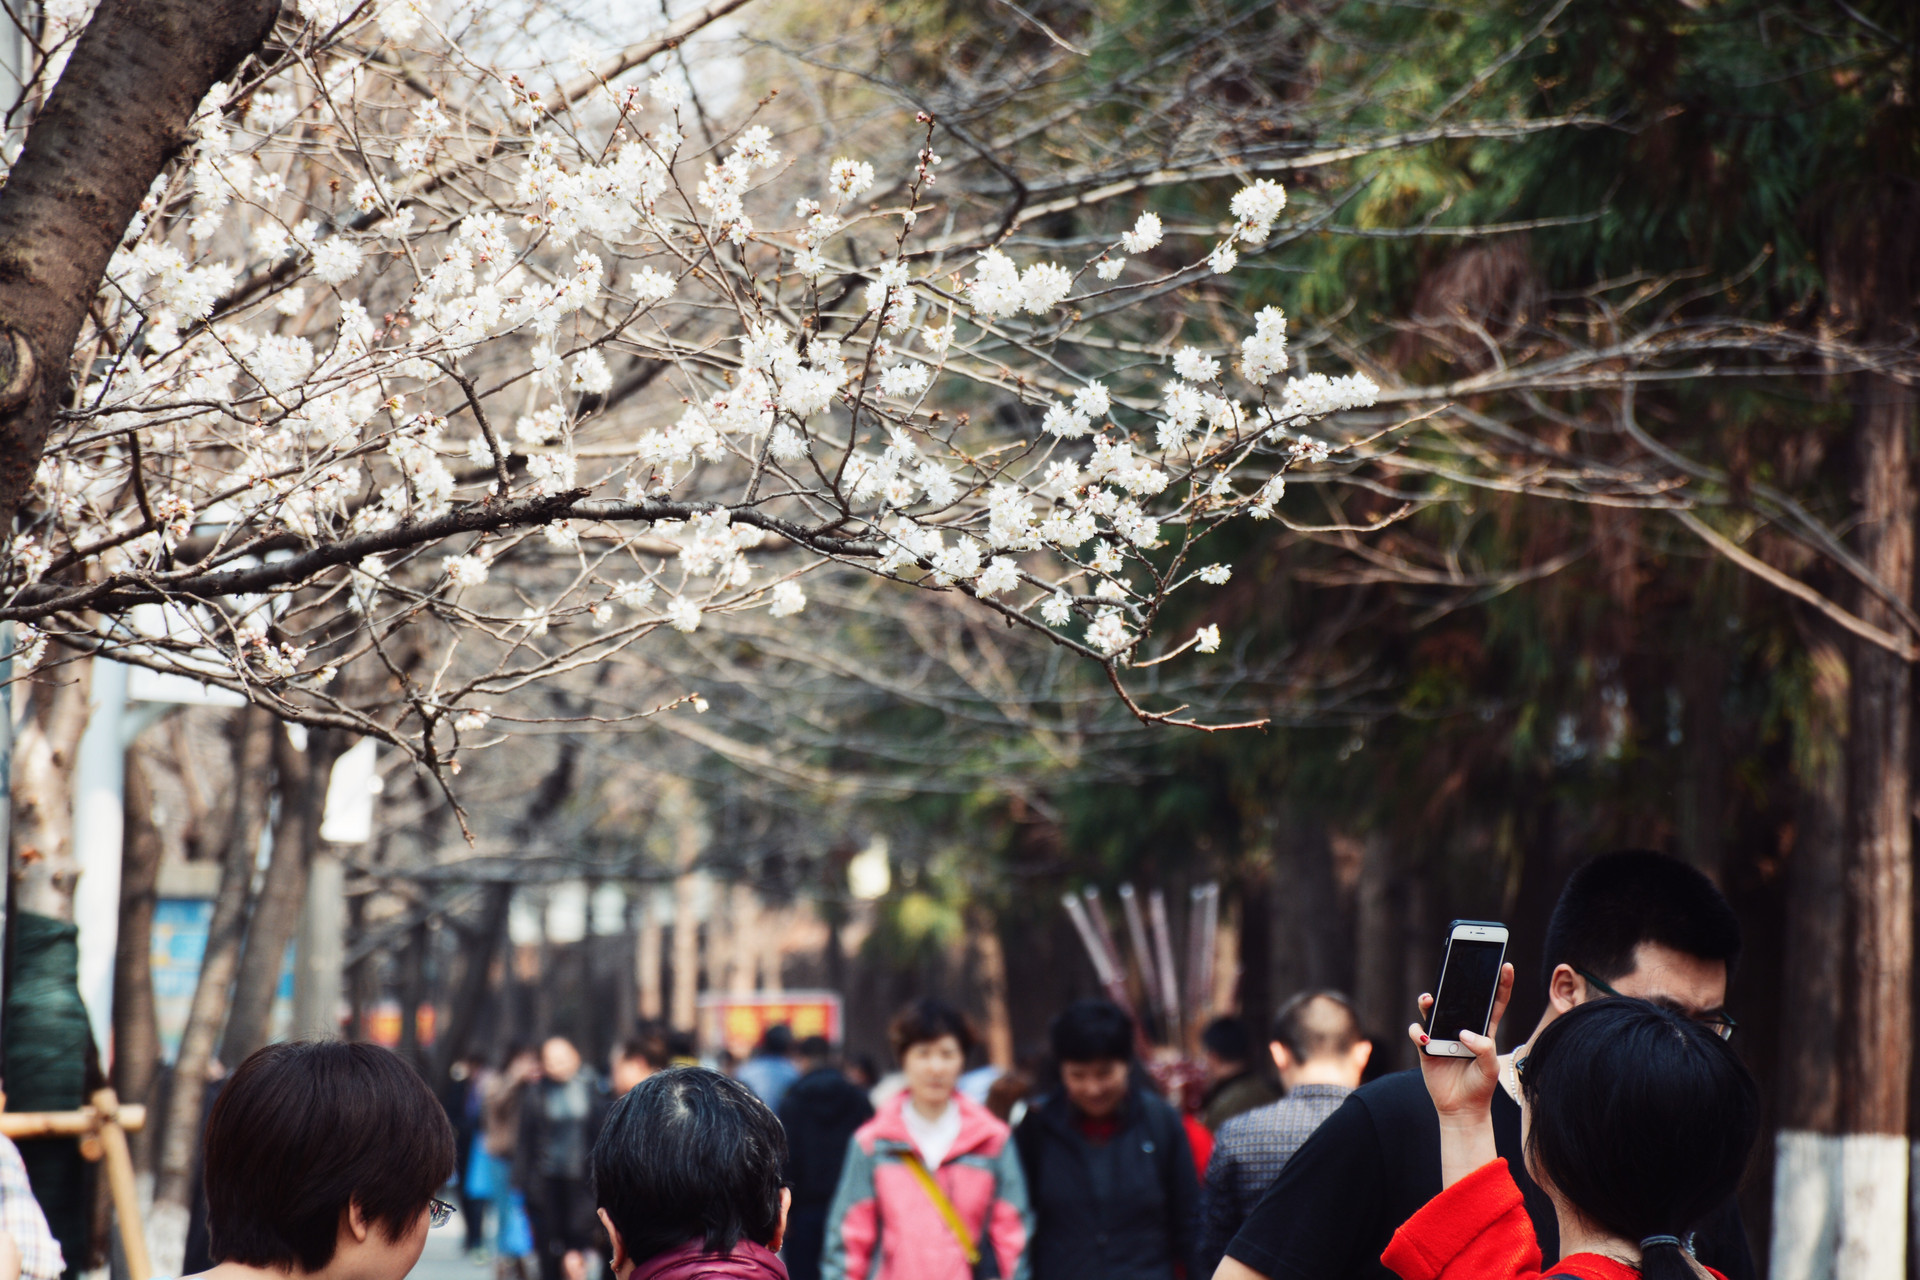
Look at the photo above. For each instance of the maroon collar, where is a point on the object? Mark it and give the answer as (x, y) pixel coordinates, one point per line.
(692, 1261)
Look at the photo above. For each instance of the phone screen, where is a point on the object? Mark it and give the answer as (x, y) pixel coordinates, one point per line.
(1466, 990)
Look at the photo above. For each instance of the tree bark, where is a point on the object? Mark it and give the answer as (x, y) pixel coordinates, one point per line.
(300, 782)
(1877, 1045)
(1376, 951)
(118, 113)
(136, 1033)
(413, 991)
(993, 985)
(173, 1188)
(479, 945)
(1808, 1151)
(44, 755)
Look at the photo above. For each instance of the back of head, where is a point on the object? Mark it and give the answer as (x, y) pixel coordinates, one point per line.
(925, 1020)
(302, 1130)
(689, 1154)
(1317, 1025)
(1642, 1119)
(1619, 900)
(778, 1041)
(1227, 1040)
(1091, 1031)
(816, 1049)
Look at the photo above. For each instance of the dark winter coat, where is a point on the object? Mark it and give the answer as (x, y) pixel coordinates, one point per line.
(820, 1112)
(1125, 1209)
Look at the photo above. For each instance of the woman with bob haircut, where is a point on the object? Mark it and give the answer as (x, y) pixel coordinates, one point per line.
(321, 1161)
(932, 1188)
(1636, 1121)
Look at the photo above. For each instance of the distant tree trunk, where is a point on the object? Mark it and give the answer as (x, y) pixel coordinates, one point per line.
(992, 957)
(1377, 933)
(1703, 781)
(1808, 1188)
(173, 1189)
(413, 992)
(136, 1034)
(360, 994)
(479, 945)
(300, 783)
(647, 961)
(743, 928)
(1310, 938)
(1877, 1045)
(44, 754)
(686, 952)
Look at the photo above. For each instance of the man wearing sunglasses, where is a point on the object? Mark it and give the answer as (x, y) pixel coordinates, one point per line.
(1633, 923)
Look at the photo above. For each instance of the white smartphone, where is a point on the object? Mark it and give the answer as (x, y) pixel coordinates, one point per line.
(1469, 980)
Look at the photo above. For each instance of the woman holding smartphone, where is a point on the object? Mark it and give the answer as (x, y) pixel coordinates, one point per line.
(1637, 1123)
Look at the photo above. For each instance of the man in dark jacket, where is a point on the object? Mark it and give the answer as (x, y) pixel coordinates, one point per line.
(560, 1116)
(819, 1111)
(1109, 1172)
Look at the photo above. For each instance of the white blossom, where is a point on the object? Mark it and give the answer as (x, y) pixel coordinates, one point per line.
(788, 599)
(336, 260)
(1195, 365)
(1001, 574)
(1207, 639)
(1223, 258)
(473, 719)
(1057, 609)
(849, 177)
(465, 570)
(1146, 234)
(1217, 574)
(683, 613)
(1110, 268)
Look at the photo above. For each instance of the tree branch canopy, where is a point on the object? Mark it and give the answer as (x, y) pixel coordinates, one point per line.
(117, 114)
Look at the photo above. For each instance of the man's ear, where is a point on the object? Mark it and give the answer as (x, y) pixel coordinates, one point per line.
(620, 1264)
(1565, 989)
(1360, 1055)
(1282, 1059)
(780, 1231)
(354, 1222)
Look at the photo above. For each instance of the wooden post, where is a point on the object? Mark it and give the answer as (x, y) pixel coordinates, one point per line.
(101, 1129)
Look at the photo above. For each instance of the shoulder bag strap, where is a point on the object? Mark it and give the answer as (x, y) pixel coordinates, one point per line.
(948, 1213)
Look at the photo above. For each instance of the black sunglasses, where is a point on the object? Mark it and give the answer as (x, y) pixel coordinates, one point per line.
(1719, 1021)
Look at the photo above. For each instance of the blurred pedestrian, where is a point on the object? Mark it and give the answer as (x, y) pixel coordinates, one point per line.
(559, 1118)
(464, 1102)
(493, 1160)
(323, 1159)
(1235, 1082)
(820, 1112)
(1115, 1196)
(686, 1176)
(35, 1253)
(932, 1183)
(1321, 1055)
(632, 1061)
(770, 1070)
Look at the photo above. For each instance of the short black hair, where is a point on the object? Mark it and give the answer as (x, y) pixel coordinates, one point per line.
(778, 1040)
(924, 1020)
(301, 1131)
(1642, 1118)
(1227, 1040)
(1317, 1024)
(1620, 900)
(817, 1048)
(689, 1154)
(1091, 1031)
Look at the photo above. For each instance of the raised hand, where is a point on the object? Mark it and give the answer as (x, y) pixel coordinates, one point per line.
(1462, 1088)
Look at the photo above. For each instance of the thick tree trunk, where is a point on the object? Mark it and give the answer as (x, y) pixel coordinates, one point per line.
(136, 1033)
(413, 991)
(478, 947)
(1808, 1202)
(44, 755)
(206, 1015)
(300, 781)
(119, 111)
(1877, 1043)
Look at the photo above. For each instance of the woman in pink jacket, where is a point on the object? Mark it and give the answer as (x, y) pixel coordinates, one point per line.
(932, 1188)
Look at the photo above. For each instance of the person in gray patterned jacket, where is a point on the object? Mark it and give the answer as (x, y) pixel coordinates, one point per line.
(1321, 1054)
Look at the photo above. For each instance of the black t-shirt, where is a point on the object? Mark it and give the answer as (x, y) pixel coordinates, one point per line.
(1373, 1164)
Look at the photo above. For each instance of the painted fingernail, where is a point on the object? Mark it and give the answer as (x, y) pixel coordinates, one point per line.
(1423, 1037)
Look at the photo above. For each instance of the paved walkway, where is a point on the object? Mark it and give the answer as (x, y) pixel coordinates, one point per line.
(444, 1259)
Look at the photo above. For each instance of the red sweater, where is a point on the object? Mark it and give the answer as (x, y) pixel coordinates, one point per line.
(1478, 1229)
